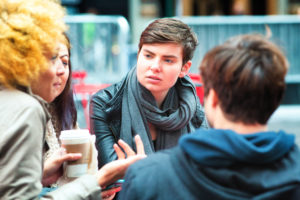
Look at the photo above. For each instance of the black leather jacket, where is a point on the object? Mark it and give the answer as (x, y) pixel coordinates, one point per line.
(105, 120)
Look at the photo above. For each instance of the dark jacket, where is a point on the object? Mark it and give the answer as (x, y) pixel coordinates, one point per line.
(179, 173)
(105, 120)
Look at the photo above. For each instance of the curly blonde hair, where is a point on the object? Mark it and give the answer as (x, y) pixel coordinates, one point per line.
(29, 32)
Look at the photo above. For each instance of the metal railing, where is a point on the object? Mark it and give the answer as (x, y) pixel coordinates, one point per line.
(212, 31)
(99, 46)
(99, 50)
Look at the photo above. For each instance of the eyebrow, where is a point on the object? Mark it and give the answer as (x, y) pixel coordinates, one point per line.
(64, 55)
(165, 56)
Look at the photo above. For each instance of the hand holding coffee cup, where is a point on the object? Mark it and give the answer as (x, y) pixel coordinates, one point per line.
(53, 166)
(76, 141)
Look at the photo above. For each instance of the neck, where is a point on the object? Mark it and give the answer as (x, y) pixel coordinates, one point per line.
(221, 122)
(241, 128)
(159, 97)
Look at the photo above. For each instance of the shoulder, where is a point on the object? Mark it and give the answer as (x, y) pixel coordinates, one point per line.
(23, 116)
(153, 160)
(199, 119)
(21, 109)
(17, 101)
(145, 173)
(108, 95)
(293, 156)
(155, 173)
(159, 163)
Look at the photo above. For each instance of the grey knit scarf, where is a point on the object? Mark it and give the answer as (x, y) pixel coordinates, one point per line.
(171, 121)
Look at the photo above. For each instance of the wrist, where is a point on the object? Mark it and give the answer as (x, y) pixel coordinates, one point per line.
(101, 178)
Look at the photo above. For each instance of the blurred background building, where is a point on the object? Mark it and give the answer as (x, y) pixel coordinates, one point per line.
(140, 12)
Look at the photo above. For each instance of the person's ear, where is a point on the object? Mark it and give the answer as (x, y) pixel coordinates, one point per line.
(185, 69)
(214, 97)
(211, 101)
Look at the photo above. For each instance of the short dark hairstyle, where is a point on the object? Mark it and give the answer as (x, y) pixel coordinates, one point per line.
(169, 30)
(248, 75)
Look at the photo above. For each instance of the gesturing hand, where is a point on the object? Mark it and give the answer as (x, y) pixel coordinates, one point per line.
(128, 150)
(115, 170)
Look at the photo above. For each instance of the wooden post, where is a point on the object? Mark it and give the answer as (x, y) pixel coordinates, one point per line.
(271, 7)
(187, 7)
(241, 7)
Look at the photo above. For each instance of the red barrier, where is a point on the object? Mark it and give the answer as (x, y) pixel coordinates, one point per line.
(196, 78)
(85, 91)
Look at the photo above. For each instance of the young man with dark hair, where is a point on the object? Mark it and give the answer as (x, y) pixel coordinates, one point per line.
(244, 81)
(156, 99)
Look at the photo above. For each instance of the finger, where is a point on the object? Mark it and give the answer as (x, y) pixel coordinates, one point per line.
(118, 189)
(119, 152)
(108, 197)
(122, 165)
(110, 191)
(135, 158)
(139, 145)
(126, 148)
(60, 152)
(68, 157)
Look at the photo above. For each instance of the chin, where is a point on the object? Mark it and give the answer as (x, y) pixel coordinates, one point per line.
(153, 90)
(49, 99)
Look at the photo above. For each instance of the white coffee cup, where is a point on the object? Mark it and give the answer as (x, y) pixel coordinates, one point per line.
(76, 141)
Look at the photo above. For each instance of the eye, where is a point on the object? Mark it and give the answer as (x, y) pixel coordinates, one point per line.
(65, 60)
(54, 57)
(148, 55)
(66, 63)
(169, 61)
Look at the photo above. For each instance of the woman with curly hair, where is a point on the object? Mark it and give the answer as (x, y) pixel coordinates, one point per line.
(29, 33)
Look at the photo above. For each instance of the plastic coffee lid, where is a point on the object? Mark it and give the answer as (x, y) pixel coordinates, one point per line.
(75, 134)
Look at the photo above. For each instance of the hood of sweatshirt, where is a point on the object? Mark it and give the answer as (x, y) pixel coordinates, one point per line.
(221, 164)
(221, 148)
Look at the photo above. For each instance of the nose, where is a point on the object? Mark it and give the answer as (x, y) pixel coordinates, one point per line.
(155, 66)
(60, 68)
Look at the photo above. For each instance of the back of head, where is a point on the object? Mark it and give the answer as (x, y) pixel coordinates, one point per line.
(248, 75)
(168, 30)
(29, 31)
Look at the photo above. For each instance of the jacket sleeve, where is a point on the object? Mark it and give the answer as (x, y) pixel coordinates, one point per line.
(22, 131)
(85, 187)
(199, 120)
(105, 138)
(22, 128)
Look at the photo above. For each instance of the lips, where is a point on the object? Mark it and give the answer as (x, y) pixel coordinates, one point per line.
(154, 77)
(57, 84)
